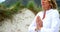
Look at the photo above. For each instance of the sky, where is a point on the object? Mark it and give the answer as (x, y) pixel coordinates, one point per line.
(2, 1)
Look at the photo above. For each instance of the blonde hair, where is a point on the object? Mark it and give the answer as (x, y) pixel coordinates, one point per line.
(53, 4)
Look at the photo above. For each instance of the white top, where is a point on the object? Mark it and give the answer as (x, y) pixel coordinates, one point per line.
(50, 22)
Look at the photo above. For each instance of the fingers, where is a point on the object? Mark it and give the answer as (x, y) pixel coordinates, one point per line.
(38, 18)
(39, 22)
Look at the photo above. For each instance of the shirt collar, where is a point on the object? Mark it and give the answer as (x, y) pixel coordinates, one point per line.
(48, 11)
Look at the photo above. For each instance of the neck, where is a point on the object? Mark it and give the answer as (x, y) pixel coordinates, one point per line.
(46, 9)
(45, 12)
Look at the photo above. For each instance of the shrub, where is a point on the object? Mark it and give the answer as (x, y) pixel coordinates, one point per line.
(8, 12)
(33, 7)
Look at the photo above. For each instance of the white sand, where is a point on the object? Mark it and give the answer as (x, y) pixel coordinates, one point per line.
(20, 22)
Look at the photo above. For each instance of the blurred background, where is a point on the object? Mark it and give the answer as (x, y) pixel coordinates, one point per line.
(17, 15)
(30, 4)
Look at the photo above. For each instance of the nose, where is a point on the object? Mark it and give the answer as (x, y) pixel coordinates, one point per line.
(42, 2)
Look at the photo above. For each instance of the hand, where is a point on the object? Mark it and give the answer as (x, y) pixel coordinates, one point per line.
(39, 23)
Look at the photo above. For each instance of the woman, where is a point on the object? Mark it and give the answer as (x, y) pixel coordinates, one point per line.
(46, 20)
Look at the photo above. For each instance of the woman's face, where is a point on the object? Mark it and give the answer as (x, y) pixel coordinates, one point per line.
(45, 4)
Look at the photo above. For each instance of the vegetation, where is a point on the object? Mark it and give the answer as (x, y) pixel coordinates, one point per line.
(8, 11)
(33, 7)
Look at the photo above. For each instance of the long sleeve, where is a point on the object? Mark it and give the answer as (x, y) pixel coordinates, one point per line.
(33, 24)
(54, 24)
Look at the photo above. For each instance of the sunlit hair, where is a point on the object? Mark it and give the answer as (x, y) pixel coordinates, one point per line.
(53, 4)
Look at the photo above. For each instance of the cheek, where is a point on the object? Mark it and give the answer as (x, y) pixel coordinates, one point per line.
(48, 5)
(45, 5)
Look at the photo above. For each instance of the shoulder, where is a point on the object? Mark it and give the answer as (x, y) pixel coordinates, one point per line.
(40, 13)
(55, 12)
